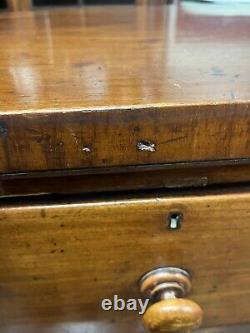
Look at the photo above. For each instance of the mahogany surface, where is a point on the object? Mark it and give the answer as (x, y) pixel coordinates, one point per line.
(60, 259)
(84, 87)
(111, 56)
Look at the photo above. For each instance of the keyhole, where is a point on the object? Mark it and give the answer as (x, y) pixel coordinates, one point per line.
(174, 220)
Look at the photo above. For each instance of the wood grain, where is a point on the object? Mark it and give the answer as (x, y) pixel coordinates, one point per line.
(122, 56)
(80, 139)
(173, 316)
(138, 85)
(59, 260)
(227, 329)
(16, 5)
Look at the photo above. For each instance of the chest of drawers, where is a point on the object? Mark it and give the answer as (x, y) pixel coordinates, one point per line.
(124, 148)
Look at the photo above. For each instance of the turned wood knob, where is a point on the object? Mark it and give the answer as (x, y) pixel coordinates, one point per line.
(169, 310)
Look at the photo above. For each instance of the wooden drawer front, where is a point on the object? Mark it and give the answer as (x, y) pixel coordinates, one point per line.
(59, 261)
(143, 135)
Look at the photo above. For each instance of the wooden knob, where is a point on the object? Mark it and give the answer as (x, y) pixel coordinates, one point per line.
(170, 312)
(173, 315)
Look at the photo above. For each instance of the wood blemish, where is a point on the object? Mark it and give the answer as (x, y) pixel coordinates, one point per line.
(136, 129)
(86, 149)
(3, 130)
(173, 139)
(217, 71)
(82, 64)
(145, 145)
(43, 213)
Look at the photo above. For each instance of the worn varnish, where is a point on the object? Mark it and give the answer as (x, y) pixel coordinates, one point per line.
(125, 85)
(59, 260)
(123, 137)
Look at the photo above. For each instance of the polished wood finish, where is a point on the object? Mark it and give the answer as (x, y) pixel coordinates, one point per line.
(138, 85)
(86, 95)
(122, 56)
(227, 329)
(173, 315)
(112, 138)
(16, 5)
(59, 260)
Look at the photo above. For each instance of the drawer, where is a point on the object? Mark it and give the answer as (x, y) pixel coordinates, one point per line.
(144, 134)
(60, 260)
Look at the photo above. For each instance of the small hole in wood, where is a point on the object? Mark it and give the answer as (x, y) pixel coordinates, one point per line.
(145, 145)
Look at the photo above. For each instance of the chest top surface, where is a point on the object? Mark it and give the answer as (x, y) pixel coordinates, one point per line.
(114, 86)
(114, 56)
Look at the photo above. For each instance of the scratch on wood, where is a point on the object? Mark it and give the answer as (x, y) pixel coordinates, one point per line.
(173, 140)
